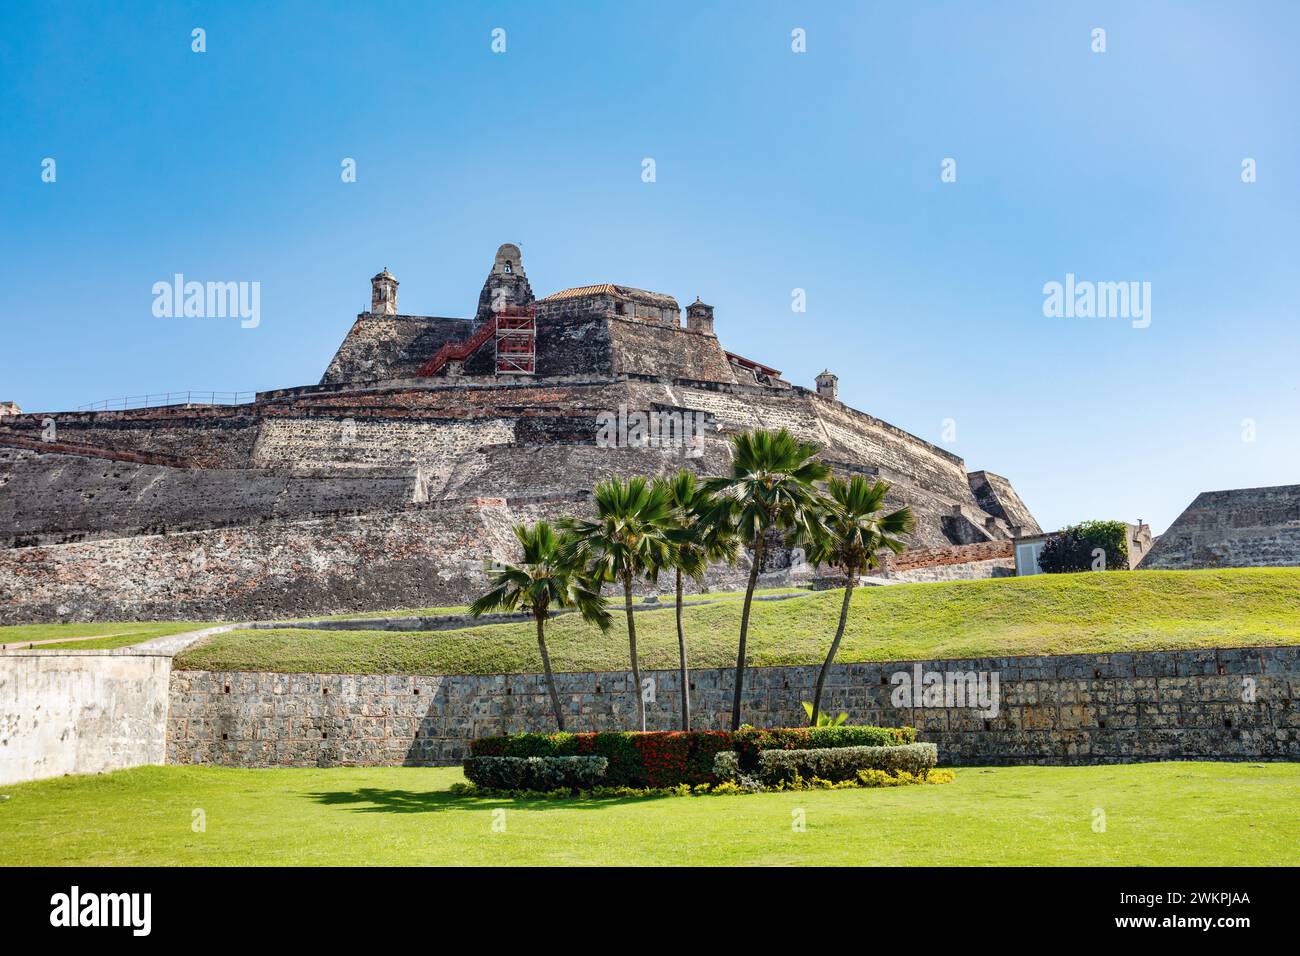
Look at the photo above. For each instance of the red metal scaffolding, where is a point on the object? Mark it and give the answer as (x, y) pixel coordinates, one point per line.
(514, 330)
(516, 340)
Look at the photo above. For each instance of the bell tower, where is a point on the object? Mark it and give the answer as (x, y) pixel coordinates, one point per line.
(506, 285)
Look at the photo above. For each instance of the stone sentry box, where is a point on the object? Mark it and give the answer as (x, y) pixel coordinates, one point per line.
(1225, 704)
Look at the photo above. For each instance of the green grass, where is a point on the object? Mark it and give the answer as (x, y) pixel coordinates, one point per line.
(1046, 614)
(449, 610)
(1187, 814)
(100, 636)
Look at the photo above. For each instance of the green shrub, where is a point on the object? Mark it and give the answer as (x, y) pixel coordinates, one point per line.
(748, 742)
(843, 763)
(1071, 549)
(901, 778)
(726, 765)
(669, 758)
(536, 773)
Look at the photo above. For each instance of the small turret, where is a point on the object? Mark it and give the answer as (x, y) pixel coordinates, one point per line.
(383, 294)
(699, 317)
(828, 386)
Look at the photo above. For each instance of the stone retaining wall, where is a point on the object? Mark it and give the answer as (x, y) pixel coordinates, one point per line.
(1234, 704)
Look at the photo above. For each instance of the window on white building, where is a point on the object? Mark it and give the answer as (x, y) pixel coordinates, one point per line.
(1027, 558)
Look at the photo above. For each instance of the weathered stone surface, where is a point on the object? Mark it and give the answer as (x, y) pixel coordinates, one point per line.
(1241, 528)
(1225, 704)
(81, 712)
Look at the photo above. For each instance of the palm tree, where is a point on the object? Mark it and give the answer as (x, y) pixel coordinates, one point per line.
(545, 578)
(703, 534)
(771, 486)
(855, 532)
(629, 537)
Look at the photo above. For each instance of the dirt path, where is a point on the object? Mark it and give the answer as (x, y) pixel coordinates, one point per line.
(23, 645)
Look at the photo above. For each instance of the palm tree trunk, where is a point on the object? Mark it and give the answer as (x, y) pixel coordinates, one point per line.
(744, 632)
(684, 675)
(631, 644)
(835, 646)
(546, 668)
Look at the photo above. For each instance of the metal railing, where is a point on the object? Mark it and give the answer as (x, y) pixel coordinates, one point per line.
(155, 399)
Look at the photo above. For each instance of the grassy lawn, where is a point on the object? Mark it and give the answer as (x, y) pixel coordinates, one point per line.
(464, 608)
(1205, 814)
(1046, 614)
(93, 636)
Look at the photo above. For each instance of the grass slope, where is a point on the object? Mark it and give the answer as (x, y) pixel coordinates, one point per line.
(1187, 814)
(97, 636)
(1046, 614)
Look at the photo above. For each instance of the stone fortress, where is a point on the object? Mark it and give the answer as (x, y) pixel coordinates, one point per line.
(387, 484)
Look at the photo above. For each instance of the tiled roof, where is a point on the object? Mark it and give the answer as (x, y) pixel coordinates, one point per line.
(750, 363)
(608, 288)
(580, 291)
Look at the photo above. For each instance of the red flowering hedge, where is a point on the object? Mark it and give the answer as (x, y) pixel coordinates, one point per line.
(657, 759)
(668, 758)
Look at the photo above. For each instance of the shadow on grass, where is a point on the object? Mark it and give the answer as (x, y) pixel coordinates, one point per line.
(374, 800)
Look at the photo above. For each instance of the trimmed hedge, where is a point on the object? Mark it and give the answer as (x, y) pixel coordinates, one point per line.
(843, 763)
(656, 759)
(749, 742)
(668, 758)
(536, 773)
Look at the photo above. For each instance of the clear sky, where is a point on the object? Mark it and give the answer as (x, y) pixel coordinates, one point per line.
(774, 171)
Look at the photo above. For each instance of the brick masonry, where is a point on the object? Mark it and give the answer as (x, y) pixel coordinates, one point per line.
(1093, 708)
(957, 554)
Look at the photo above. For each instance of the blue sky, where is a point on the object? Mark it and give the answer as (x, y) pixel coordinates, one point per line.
(775, 170)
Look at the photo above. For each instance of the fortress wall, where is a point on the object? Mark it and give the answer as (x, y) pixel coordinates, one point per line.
(312, 442)
(575, 469)
(68, 498)
(1240, 528)
(573, 345)
(391, 346)
(640, 347)
(422, 556)
(217, 436)
(994, 494)
(1077, 709)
